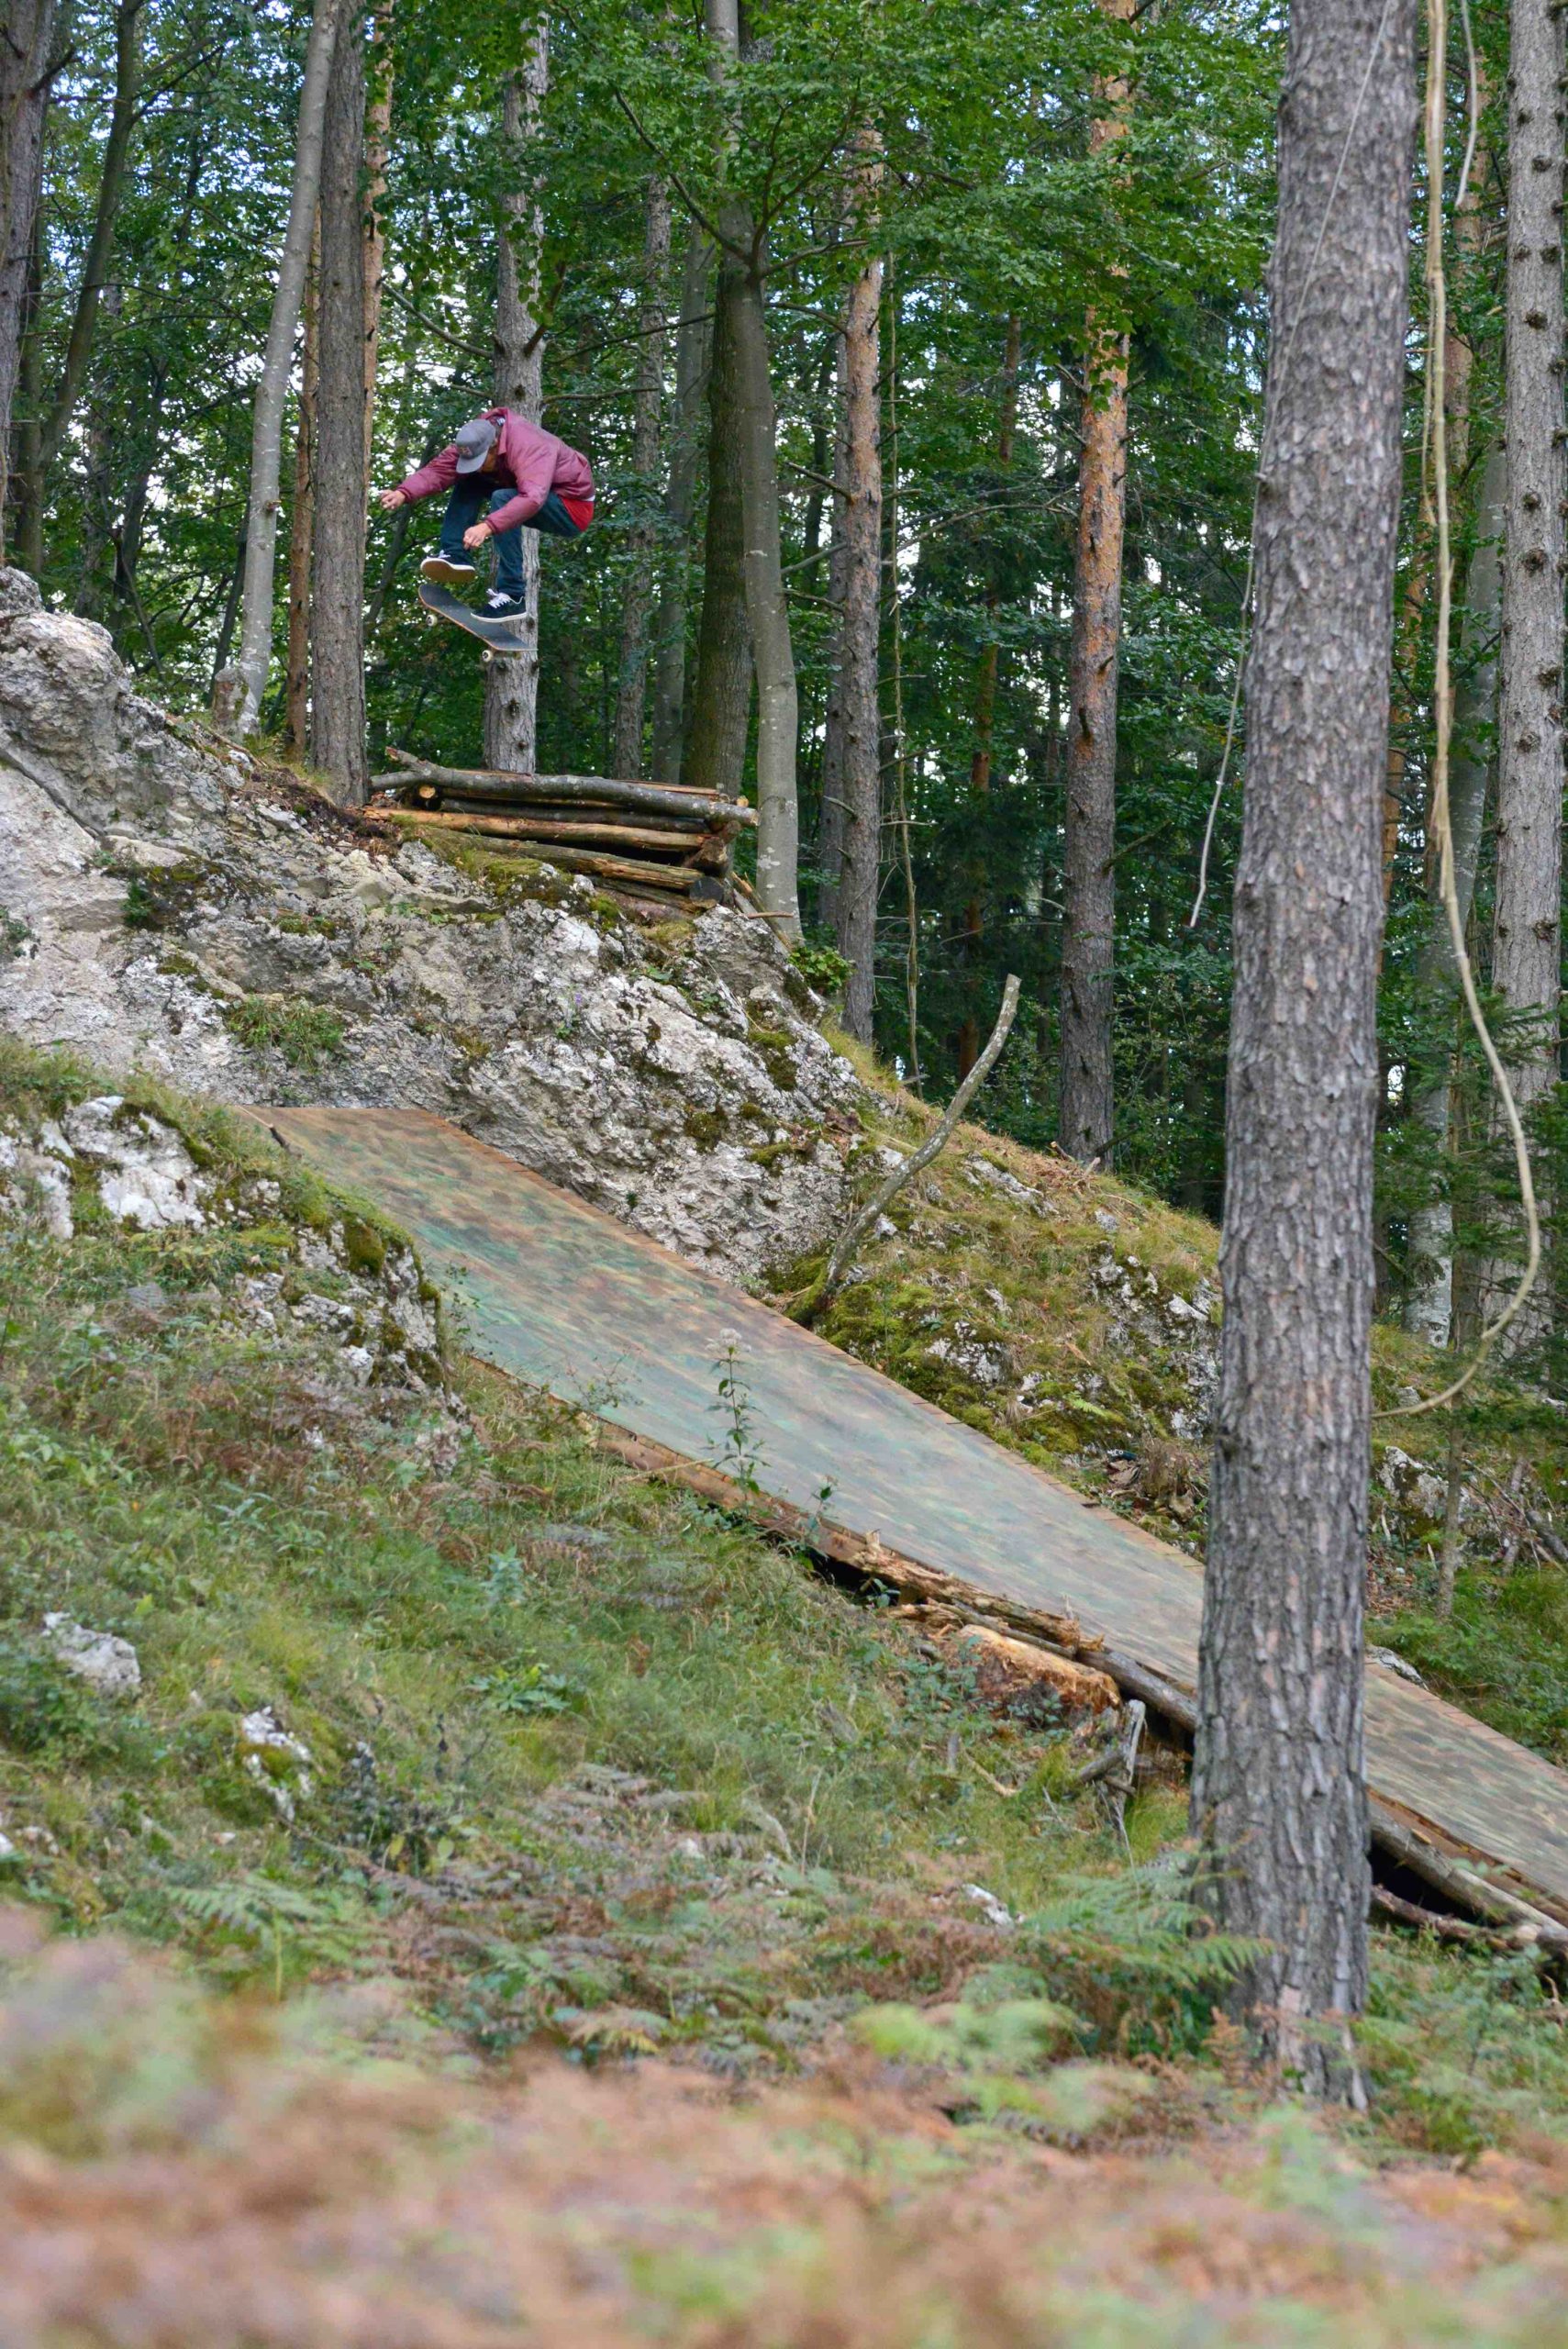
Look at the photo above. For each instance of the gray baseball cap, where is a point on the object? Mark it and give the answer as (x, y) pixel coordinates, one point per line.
(473, 444)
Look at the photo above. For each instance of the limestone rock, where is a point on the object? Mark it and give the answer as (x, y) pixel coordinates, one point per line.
(248, 943)
(109, 1665)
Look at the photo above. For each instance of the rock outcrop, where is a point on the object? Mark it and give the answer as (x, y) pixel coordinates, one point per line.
(169, 903)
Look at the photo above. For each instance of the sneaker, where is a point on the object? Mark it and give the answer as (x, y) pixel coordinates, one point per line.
(498, 606)
(449, 572)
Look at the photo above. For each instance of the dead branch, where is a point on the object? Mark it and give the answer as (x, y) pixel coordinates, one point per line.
(806, 1308)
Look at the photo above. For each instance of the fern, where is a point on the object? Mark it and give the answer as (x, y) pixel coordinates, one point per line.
(324, 1928)
(1137, 1948)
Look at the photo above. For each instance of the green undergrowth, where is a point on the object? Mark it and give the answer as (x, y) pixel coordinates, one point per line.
(1075, 1319)
(453, 1702)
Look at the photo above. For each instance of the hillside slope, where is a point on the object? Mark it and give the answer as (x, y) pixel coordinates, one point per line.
(374, 1691)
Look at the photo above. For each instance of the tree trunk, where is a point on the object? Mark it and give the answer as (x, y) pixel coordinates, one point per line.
(511, 686)
(637, 603)
(858, 711)
(721, 689)
(831, 827)
(337, 568)
(1279, 1796)
(693, 339)
(1525, 937)
(26, 60)
(1084, 1122)
(767, 607)
(1428, 1309)
(271, 388)
(378, 143)
(122, 118)
(302, 528)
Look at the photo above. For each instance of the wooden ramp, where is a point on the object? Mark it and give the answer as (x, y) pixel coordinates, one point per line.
(565, 1298)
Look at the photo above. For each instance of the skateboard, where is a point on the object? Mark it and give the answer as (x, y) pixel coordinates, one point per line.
(501, 638)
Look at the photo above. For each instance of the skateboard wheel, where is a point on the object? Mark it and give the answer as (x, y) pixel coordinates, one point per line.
(489, 656)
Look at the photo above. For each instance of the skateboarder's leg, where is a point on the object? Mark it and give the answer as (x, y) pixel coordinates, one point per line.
(509, 553)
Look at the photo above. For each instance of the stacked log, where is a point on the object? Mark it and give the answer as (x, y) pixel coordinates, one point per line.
(652, 842)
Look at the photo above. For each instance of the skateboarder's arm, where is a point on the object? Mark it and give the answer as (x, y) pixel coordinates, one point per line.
(439, 474)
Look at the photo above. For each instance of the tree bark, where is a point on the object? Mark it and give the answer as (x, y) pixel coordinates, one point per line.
(985, 683)
(1525, 937)
(1279, 1796)
(1085, 1117)
(511, 686)
(27, 43)
(1428, 1309)
(301, 529)
(721, 689)
(637, 602)
(122, 118)
(271, 388)
(830, 827)
(693, 338)
(767, 607)
(378, 145)
(338, 567)
(857, 711)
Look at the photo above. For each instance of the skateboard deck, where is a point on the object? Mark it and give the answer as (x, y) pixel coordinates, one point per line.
(502, 636)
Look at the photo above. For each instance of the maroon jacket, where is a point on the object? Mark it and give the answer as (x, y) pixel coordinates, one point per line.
(528, 460)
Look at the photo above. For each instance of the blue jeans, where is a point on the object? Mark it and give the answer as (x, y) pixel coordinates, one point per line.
(473, 496)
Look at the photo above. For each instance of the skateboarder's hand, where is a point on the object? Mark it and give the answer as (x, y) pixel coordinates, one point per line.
(476, 537)
(391, 499)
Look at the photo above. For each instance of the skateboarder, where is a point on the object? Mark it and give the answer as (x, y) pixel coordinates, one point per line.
(505, 475)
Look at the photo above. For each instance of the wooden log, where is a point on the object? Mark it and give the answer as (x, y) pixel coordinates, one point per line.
(706, 852)
(650, 798)
(437, 798)
(1010, 1673)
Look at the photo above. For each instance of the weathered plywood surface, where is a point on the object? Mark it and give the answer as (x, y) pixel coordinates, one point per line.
(567, 1299)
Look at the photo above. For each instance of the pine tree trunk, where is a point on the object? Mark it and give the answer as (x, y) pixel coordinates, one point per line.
(1085, 1117)
(261, 533)
(302, 527)
(338, 569)
(378, 148)
(693, 338)
(857, 769)
(511, 686)
(26, 56)
(637, 603)
(721, 689)
(1428, 1310)
(1278, 1791)
(985, 683)
(1527, 936)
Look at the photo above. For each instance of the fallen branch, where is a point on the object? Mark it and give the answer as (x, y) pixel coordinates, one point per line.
(1450, 1929)
(705, 850)
(806, 1308)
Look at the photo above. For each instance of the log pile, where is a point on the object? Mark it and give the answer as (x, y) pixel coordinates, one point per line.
(658, 847)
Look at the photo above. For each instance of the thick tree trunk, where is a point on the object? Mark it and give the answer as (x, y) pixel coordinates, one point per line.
(693, 338)
(1278, 1791)
(830, 825)
(511, 688)
(1085, 1117)
(338, 569)
(721, 689)
(637, 605)
(1428, 1310)
(378, 148)
(271, 388)
(112, 172)
(301, 529)
(857, 711)
(1527, 936)
(767, 607)
(27, 47)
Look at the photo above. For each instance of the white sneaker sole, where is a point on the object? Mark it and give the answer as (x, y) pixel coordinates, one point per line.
(449, 575)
